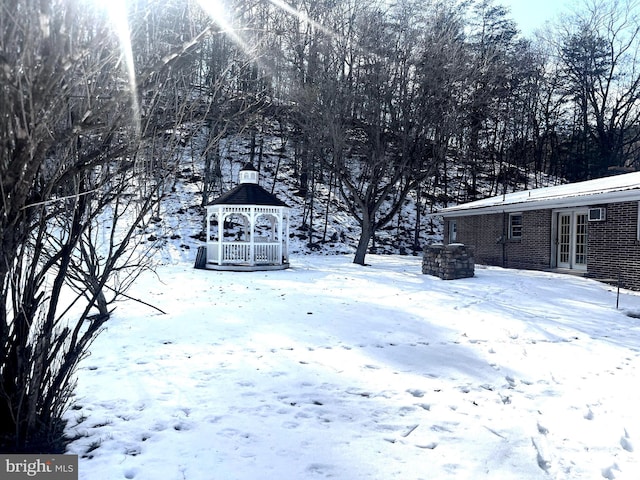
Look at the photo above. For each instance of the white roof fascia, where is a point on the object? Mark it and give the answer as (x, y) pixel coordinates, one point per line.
(542, 203)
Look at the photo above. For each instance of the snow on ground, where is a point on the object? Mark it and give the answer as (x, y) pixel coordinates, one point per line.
(333, 370)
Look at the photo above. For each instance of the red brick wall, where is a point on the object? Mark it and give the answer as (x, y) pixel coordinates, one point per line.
(488, 234)
(613, 245)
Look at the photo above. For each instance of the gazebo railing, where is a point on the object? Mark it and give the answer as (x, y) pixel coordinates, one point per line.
(236, 252)
(266, 253)
(240, 253)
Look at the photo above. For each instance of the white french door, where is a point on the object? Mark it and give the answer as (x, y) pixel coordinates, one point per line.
(572, 240)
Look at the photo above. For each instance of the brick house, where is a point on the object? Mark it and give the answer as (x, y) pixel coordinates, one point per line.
(589, 228)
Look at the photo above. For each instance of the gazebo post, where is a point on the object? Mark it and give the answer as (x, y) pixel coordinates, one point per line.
(208, 230)
(279, 236)
(286, 238)
(220, 233)
(252, 231)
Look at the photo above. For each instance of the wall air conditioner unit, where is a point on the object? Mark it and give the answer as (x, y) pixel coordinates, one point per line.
(597, 214)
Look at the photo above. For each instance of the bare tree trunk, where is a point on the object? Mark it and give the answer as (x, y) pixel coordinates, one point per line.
(363, 242)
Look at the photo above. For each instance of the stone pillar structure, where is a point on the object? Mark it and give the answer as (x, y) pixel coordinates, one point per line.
(449, 262)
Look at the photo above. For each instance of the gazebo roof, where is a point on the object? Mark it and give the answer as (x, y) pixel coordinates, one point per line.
(248, 191)
(248, 194)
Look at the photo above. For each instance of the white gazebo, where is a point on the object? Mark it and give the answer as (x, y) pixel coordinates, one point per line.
(247, 229)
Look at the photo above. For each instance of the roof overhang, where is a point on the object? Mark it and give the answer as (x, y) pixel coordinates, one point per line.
(550, 203)
(235, 208)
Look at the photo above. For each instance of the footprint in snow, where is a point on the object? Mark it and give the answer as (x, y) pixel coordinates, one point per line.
(159, 427)
(323, 469)
(181, 427)
(625, 442)
(429, 446)
(416, 393)
(542, 456)
(608, 472)
(133, 451)
(542, 429)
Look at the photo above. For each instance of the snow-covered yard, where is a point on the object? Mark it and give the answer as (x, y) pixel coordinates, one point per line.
(332, 370)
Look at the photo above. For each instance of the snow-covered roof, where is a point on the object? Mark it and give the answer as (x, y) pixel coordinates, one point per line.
(617, 188)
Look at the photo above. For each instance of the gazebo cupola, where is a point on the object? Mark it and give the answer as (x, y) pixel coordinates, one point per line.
(247, 228)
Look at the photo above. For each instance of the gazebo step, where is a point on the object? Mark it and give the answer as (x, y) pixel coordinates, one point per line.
(245, 268)
(201, 258)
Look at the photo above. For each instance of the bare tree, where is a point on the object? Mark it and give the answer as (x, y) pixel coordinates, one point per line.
(442, 77)
(388, 157)
(74, 127)
(599, 52)
(491, 43)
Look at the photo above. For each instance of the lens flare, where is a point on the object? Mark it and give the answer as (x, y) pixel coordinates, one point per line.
(302, 16)
(118, 16)
(220, 15)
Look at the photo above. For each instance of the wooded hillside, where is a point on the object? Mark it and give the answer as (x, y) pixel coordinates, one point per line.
(376, 101)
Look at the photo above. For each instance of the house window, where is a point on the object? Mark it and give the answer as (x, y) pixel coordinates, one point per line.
(515, 226)
(638, 223)
(453, 231)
